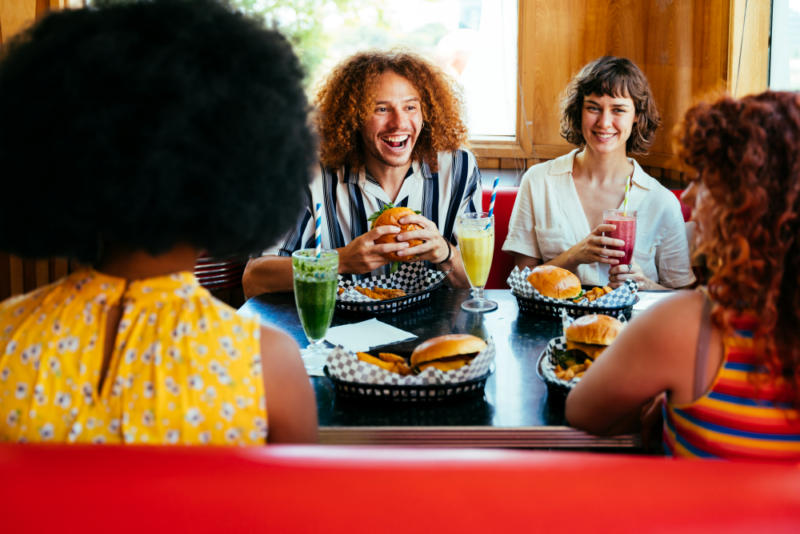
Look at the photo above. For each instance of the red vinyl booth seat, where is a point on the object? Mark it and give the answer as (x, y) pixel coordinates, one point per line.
(70, 488)
(502, 263)
(686, 211)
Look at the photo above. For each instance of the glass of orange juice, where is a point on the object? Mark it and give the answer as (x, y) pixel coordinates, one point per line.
(475, 232)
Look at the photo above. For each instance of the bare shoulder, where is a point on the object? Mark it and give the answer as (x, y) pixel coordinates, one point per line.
(276, 341)
(671, 326)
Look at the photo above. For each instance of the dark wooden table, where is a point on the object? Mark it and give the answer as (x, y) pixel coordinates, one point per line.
(515, 411)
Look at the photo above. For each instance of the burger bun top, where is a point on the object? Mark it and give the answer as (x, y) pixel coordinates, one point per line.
(555, 282)
(594, 330)
(446, 347)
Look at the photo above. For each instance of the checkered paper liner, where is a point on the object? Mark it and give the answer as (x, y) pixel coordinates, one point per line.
(410, 277)
(547, 365)
(346, 366)
(619, 298)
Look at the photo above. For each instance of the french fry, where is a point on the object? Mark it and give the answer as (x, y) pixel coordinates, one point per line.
(579, 374)
(341, 290)
(389, 357)
(568, 375)
(607, 290)
(577, 368)
(588, 363)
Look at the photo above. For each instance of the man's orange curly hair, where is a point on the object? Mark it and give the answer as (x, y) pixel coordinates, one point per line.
(747, 155)
(345, 101)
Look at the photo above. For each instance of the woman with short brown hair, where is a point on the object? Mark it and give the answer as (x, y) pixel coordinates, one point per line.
(607, 110)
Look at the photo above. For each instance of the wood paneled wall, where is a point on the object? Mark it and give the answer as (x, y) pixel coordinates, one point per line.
(689, 50)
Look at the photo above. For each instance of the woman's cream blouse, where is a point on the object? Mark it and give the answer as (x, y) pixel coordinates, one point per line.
(548, 219)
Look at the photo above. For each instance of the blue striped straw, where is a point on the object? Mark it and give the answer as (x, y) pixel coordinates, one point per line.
(318, 229)
(491, 204)
(494, 194)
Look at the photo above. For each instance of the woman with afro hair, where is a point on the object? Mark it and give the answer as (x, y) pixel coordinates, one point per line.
(728, 357)
(133, 137)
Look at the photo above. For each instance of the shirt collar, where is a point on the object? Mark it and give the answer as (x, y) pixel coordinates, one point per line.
(350, 176)
(564, 164)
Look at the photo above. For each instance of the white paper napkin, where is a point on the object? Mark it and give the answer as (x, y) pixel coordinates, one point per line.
(314, 361)
(360, 337)
(647, 299)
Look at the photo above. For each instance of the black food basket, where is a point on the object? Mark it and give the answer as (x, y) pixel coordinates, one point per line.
(388, 307)
(550, 310)
(544, 370)
(428, 394)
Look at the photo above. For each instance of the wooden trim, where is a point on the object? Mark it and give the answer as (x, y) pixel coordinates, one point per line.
(488, 163)
(16, 275)
(42, 8)
(525, 70)
(5, 277)
(28, 275)
(60, 269)
(755, 54)
(42, 273)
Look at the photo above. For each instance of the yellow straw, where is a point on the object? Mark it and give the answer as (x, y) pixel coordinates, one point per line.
(625, 202)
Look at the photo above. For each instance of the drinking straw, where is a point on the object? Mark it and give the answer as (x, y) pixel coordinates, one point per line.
(625, 202)
(494, 194)
(318, 229)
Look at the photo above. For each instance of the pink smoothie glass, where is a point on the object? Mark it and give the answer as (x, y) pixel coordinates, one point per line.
(625, 221)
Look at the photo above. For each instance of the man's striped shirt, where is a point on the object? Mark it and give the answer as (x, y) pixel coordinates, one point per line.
(349, 197)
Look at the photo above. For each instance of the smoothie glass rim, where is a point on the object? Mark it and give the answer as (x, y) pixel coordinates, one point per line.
(325, 254)
(621, 212)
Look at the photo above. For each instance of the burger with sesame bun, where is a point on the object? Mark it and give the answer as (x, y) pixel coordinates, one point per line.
(592, 334)
(555, 282)
(446, 353)
(389, 215)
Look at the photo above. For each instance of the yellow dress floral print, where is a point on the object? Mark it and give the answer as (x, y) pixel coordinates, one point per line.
(184, 369)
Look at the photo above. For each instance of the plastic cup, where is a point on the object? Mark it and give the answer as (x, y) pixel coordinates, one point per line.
(315, 288)
(625, 221)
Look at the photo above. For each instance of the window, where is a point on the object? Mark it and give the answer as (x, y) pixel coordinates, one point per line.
(784, 64)
(474, 40)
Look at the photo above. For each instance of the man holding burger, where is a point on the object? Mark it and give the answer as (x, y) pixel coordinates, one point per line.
(391, 130)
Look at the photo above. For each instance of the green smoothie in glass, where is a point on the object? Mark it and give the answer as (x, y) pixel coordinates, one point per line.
(315, 288)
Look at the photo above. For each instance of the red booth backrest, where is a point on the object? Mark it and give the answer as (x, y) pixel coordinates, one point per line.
(339, 489)
(502, 263)
(685, 210)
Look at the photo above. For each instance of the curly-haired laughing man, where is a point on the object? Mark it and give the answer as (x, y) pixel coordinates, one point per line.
(392, 130)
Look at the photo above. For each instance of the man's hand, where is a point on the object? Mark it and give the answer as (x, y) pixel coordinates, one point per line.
(434, 248)
(592, 248)
(362, 255)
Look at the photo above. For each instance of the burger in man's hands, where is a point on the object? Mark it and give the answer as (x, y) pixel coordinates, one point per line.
(389, 215)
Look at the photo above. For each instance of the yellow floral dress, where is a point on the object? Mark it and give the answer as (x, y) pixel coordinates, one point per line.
(184, 369)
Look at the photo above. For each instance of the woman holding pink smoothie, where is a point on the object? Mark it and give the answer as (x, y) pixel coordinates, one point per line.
(607, 110)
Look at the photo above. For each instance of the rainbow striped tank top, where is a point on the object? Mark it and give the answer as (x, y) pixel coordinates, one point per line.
(735, 418)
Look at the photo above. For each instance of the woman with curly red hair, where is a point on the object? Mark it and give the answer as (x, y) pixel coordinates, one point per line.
(392, 132)
(727, 357)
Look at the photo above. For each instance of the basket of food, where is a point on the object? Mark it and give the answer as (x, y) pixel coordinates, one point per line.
(563, 362)
(446, 368)
(411, 286)
(546, 290)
